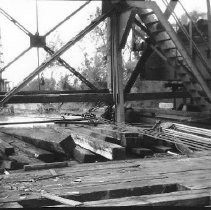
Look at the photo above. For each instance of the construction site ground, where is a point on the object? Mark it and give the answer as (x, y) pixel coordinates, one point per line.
(106, 167)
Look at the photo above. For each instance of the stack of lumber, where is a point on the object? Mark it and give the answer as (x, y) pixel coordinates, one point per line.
(192, 137)
(17, 151)
(12, 155)
(57, 141)
(128, 137)
(179, 138)
(83, 143)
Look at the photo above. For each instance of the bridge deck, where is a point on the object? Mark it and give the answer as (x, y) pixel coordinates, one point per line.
(172, 181)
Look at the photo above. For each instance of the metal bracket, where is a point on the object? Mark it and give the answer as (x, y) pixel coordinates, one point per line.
(37, 41)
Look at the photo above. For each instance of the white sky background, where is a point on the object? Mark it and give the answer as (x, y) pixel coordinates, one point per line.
(14, 41)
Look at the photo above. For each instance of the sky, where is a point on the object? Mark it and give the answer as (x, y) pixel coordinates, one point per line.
(14, 41)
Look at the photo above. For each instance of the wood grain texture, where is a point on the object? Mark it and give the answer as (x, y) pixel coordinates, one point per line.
(173, 181)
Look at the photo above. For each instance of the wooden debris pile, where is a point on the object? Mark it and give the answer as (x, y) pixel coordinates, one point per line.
(182, 138)
(192, 137)
(79, 143)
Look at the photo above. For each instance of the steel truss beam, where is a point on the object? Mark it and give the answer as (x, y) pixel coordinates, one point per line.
(138, 69)
(71, 69)
(46, 63)
(50, 51)
(15, 59)
(21, 27)
(67, 18)
(149, 51)
(92, 97)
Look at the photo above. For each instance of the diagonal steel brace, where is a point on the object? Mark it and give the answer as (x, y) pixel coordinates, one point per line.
(39, 69)
(71, 69)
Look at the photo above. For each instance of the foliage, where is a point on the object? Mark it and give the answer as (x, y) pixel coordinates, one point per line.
(45, 84)
(64, 83)
(54, 44)
(94, 67)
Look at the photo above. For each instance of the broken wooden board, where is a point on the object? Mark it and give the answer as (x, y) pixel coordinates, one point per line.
(8, 164)
(45, 166)
(17, 160)
(108, 150)
(126, 139)
(61, 200)
(89, 131)
(29, 149)
(5, 147)
(84, 156)
(44, 138)
(193, 198)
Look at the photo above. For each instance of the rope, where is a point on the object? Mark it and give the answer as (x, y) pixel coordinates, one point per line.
(38, 57)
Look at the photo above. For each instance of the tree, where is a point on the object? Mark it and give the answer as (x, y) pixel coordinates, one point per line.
(45, 84)
(64, 83)
(55, 44)
(94, 67)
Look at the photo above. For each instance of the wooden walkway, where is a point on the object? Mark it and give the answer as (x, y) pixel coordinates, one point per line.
(135, 182)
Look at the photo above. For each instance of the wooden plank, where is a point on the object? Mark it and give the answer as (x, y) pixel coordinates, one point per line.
(30, 150)
(22, 159)
(45, 166)
(10, 205)
(44, 138)
(8, 164)
(126, 139)
(105, 149)
(84, 156)
(89, 131)
(17, 160)
(115, 175)
(61, 200)
(6, 148)
(185, 198)
(97, 192)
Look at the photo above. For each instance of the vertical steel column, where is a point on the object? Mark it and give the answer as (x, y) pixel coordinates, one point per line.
(109, 68)
(117, 71)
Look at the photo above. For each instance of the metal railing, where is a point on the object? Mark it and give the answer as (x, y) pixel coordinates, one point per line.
(181, 26)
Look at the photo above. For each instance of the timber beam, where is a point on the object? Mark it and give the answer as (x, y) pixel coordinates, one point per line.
(92, 97)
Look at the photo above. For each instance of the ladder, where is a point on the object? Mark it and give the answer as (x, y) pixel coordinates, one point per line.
(163, 34)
